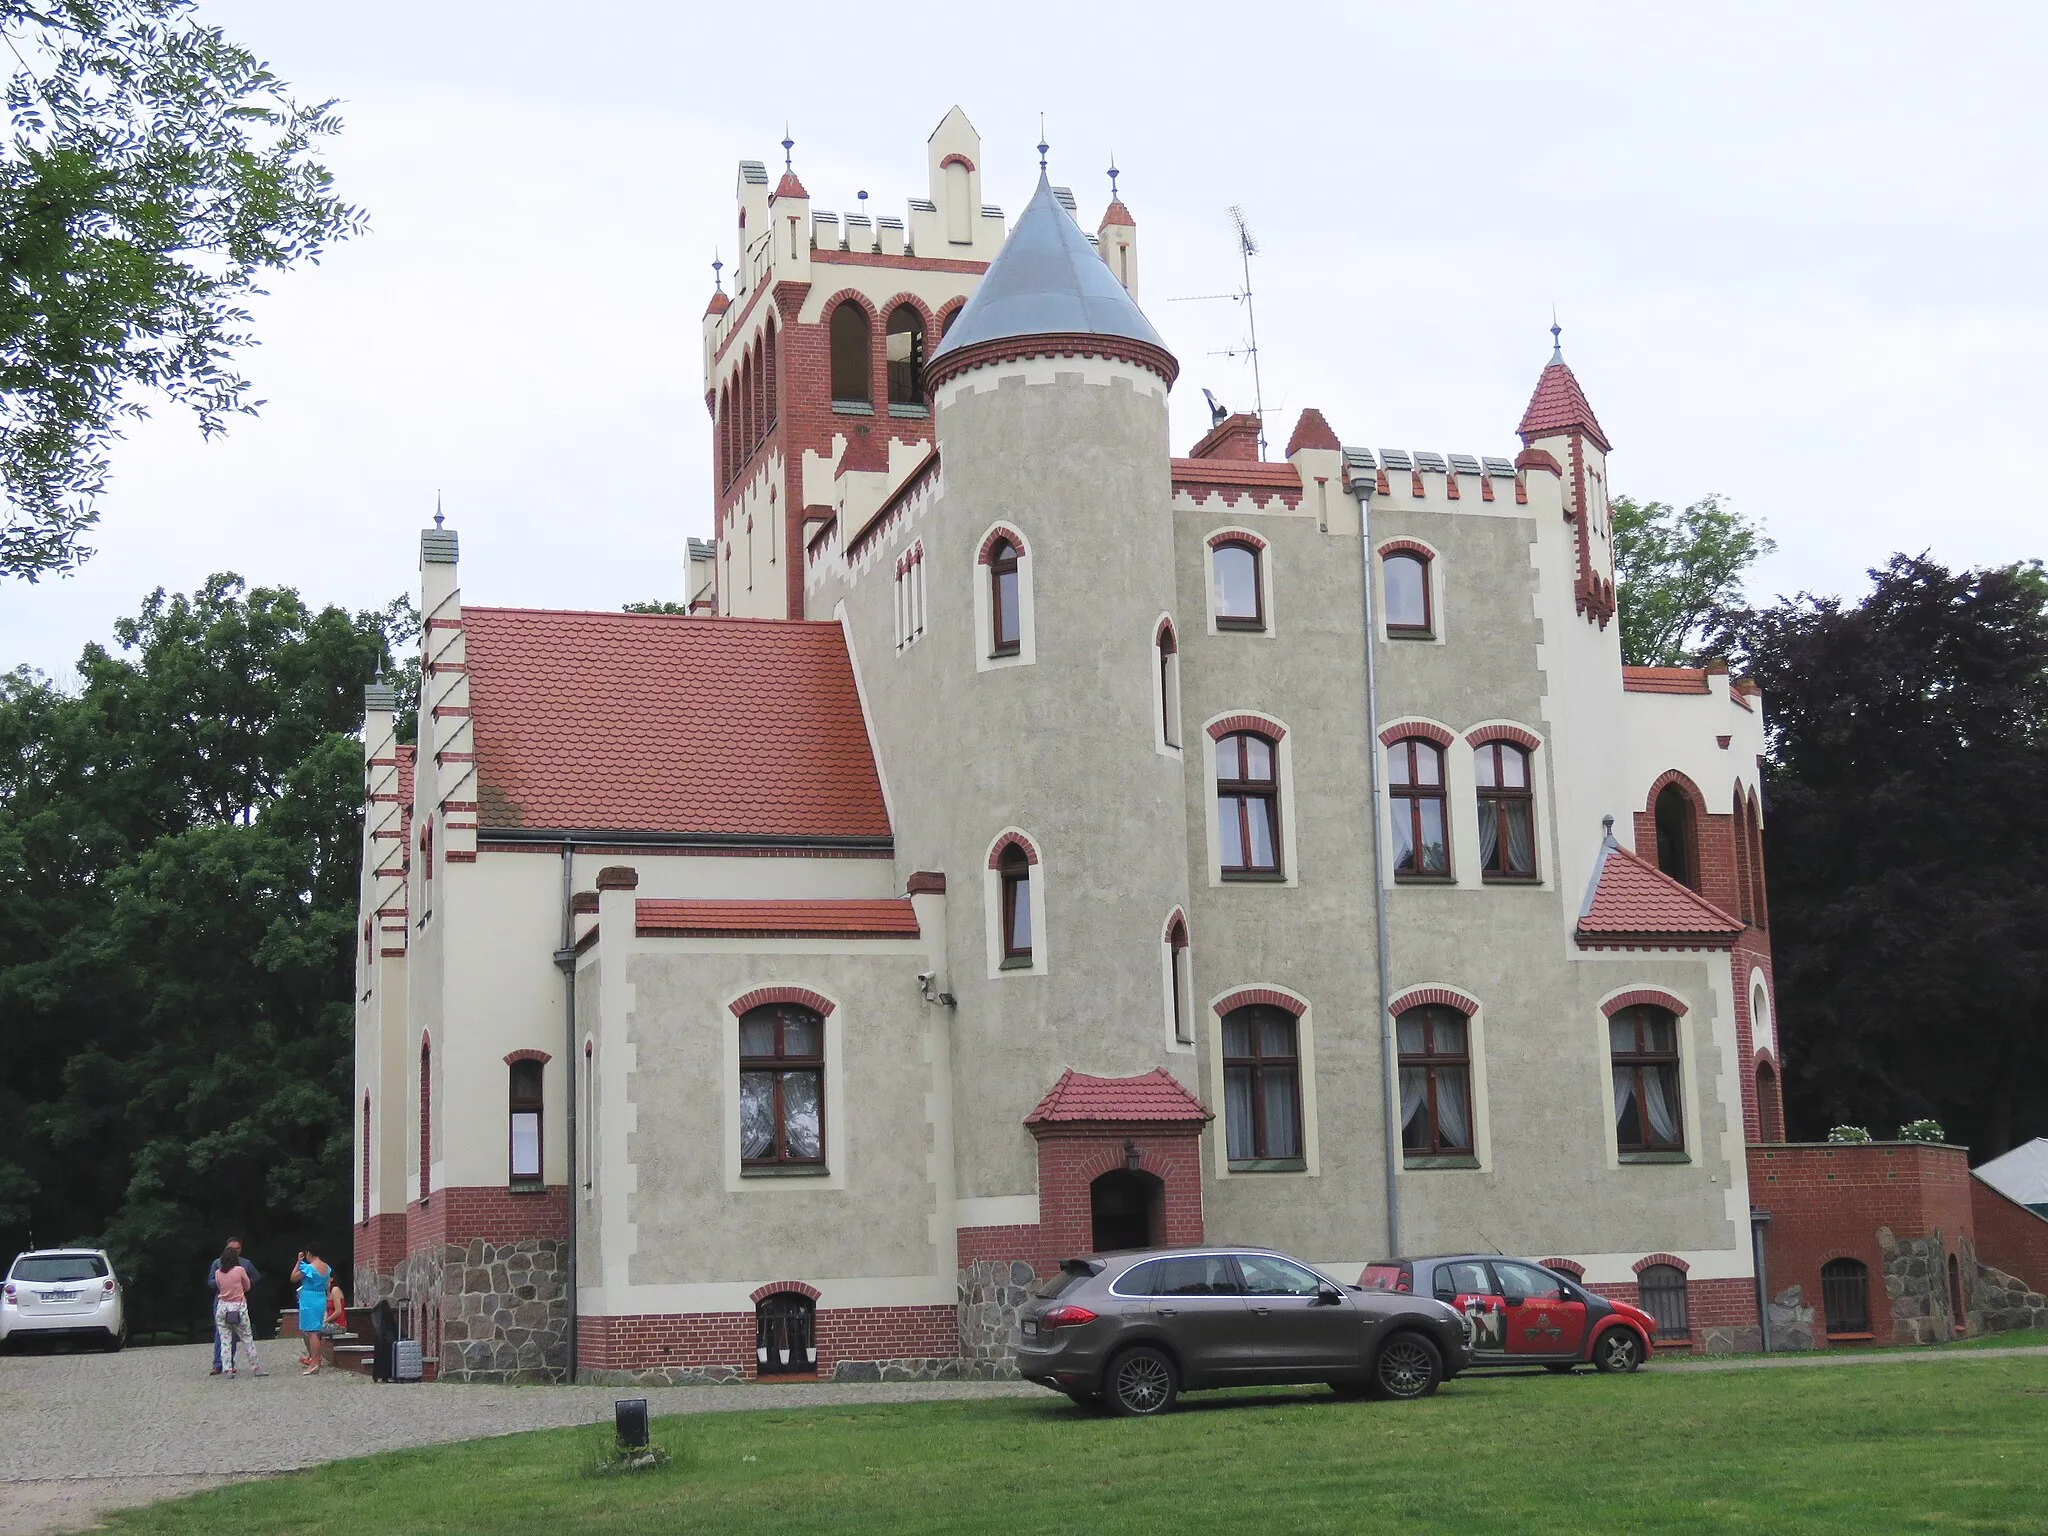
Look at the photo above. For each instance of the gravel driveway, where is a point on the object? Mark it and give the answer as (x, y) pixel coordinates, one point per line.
(90, 1432)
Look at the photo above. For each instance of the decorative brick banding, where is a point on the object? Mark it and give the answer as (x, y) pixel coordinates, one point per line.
(1015, 349)
(1442, 997)
(801, 996)
(1653, 996)
(1661, 1258)
(1246, 997)
(1527, 740)
(1230, 724)
(1007, 841)
(1403, 729)
(782, 1287)
(528, 1055)
(1407, 546)
(1570, 1267)
(997, 535)
(1236, 536)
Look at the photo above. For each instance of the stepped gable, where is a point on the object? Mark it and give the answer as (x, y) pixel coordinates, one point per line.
(1635, 904)
(628, 722)
(1048, 284)
(1559, 405)
(1156, 1095)
(1312, 431)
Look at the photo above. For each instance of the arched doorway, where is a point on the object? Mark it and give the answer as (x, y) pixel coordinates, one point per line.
(785, 1335)
(1127, 1209)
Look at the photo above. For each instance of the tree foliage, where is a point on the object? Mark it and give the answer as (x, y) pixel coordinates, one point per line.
(179, 847)
(1906, 836)
(152, 173)
(1674, 570)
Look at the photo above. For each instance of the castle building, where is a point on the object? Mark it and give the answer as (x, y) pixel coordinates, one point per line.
(992, 865)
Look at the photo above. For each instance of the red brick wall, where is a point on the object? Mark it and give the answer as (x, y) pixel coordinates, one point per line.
(1708, 1304)
(495, 1214)
(2009, 1236)
(1827, 1202)
(693, 1340)
(380, 1242)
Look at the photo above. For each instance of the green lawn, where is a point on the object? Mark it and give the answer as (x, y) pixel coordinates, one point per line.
(1955, 1447)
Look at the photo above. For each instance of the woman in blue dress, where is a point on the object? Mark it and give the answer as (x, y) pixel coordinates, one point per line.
(311, 1277)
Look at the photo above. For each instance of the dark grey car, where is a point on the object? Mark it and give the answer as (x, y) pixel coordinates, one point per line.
(1132, 1331)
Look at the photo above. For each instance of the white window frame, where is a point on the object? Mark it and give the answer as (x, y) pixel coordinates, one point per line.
(984, 615)
(833, 1175)
(1184, 983)
(1283, 776)
(992, 906)
(909, 596)
(1689, 1078)
(1432, 573)
(1305, 1053)
(1475, 1049)
(1166, 710)
(1264, 546)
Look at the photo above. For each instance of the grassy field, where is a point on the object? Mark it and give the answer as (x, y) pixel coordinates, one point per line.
(1961, 1446)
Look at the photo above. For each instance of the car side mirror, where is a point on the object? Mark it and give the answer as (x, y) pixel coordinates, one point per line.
(1329, 1296)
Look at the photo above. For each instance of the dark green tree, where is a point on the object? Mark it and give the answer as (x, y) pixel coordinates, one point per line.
(179, 842)
(1674, 569)
(1906, 838)
(153, 172)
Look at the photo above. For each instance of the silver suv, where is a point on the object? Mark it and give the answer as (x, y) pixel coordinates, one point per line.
(58, 1291)
(1131, 1331)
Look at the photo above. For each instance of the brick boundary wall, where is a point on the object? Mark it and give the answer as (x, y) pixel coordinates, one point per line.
(853, 1343)
(1721, 1314)
(2009, 1236)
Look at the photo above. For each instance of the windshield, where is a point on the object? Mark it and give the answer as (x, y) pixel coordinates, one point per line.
(1069, 1274)
(60, 1266)
(1384, 1277)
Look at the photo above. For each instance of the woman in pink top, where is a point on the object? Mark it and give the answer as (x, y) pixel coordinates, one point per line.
(231, 1312)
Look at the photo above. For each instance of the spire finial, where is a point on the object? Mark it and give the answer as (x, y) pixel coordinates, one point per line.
(788, 144)
(437, 506)
(1042, 145)
(1112, 176)
(717, 270)
(1556, 337)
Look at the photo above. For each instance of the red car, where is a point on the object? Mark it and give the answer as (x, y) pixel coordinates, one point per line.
(1521, 1313)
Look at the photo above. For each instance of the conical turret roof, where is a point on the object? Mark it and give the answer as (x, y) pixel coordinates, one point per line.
(1048, 281)
(1559, 405)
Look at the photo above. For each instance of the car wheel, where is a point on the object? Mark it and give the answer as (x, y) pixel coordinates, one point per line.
(1347, 1389)
(1408, 1366)
(1618, 1349)
(1142, 1382)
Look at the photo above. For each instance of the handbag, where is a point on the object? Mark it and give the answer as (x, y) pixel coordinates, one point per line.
(232, 1316)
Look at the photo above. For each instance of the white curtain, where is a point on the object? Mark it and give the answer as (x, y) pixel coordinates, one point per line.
(1237, 1113)
(1414, 1118)
(1660, 1093)
(1453, 1112)
(1521, 839)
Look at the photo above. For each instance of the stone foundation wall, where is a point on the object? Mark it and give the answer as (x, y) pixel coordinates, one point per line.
(1916, 1286)
(1791, 1320)
(504, 1311)
(991, 1293)
(2005, 1302)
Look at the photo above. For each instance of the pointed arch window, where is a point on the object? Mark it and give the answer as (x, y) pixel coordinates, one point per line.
(1677, 840)
(1006, 614)
(852, 339)
(905, 344)
(1168, 649)
(768, 370)
(749, 401)
(1177, 979)
(1415, 787)
(1758, 902)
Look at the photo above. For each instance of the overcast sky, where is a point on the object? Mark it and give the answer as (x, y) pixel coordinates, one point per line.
(1797, 251)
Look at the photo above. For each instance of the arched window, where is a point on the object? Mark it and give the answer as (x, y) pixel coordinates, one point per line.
(725, 437)
(1845, 1298)
(1770, 1109)
(782, 1087)
(852, 344)
(1743, 887)
(1177, 979)
(785, 1335)
(1168, 649)
(905, 342)
(946, 325)
(1507, 812)
(1407, 585)
(1013, 871)
(1248, 805)
(1660, 1291)
(1006, 618)
(1415, 784)
(1643, 1042)
(525, 1107)
(1758, 901)
(589, 1114)
(1436, 1082)
(749, 399)
(1239, 599)
(1261, 1086)
(768, 369)
(426, 1118)
(1676, 845)
(366, 1159)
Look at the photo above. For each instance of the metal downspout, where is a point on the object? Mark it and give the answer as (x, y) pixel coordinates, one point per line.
(1758, 1220)
(565, 960)
(1361, 475)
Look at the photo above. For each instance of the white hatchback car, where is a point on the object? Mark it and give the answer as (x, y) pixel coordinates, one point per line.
(54, 1292)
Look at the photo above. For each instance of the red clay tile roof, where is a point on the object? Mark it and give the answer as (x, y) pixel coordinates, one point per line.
(1559, 405)
(789, 186)
(1312, 431)
(885, 919)
(1116, 213)
(1664, 680)
(1635, 902)
(628, 722)
(718, 303)
(1157, 1095)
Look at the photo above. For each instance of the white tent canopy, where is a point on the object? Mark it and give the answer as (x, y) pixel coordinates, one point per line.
(2021, 1174)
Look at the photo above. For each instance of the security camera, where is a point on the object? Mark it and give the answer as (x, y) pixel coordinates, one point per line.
(925, 978)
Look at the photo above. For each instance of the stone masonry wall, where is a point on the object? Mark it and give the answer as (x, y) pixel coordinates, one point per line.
(2005, 1302)
(991, 1293)
(505, 1311)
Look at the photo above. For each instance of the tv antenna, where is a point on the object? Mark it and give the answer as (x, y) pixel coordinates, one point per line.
(1247, 248)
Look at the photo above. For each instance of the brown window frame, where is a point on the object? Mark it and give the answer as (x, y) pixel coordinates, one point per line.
(913, 370)
(1176, 978)
(1497, 797)
(1259, 1066)
(1240, 789)
(1013, 874)
(1406, 799)
(1684, 830)
(517, 1104)
(1426, 630)
(1005, 559)
(1640, 1061)
(865, 400)
(1168, 647)
(1431, 1062)
(1256, 623)
(778, 1066)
